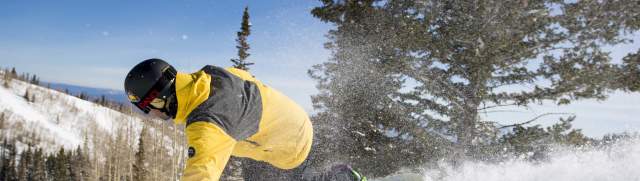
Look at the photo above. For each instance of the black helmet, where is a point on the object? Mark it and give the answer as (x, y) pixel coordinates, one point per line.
(150, 79)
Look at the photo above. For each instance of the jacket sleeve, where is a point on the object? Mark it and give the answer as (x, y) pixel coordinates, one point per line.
(209, 150)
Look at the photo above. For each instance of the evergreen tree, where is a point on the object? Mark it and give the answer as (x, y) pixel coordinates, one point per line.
(6, 83)
(103, 100)
(24, 168)
(407, 77)
(25, 77)
(67, 167)
(4, 160)
(27, 96)
(61, 169)
(14, 74)
(140, 168)
(88, 165)
(563, 133)
(243, 45)
(2, 121)
(34, 80)
(51, 166)
(523, 141)
(77, 164)
(6, 77)
(39, 167)
(630, 80)
(10, 170)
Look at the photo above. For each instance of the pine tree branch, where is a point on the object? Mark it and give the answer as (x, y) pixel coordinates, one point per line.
(438, 80)
(502, 111)
(496, 106)
(534, 119)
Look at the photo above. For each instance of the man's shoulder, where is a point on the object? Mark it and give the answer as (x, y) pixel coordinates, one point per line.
(209, 67)
(214, 70)
(228, 72)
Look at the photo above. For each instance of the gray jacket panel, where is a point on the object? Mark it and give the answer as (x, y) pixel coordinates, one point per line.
(233, 104)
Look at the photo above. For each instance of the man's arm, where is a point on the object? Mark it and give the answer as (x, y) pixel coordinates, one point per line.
(209, 150)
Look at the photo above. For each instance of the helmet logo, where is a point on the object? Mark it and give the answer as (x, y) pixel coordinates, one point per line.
(133, 98)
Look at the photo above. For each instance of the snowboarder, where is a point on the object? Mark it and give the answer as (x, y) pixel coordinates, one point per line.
(227, 112)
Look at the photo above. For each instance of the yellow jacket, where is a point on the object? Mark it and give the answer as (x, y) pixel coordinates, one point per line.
(283, 137)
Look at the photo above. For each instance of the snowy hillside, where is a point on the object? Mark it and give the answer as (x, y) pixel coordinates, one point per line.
(55, 118)
(113, 142)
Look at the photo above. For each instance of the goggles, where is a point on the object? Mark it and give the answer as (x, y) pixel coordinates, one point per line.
(157, 103)
(154, 97)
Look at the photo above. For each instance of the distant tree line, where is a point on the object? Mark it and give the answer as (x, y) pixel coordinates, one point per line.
(34, 164)
(118, 161)
(9, 74)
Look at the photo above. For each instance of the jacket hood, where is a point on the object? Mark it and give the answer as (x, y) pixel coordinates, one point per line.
(191, 91)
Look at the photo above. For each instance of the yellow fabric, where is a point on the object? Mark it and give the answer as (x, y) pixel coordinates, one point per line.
(283, 139)
(244, 75)
(285, 134)
(212, 151)
(191, 91)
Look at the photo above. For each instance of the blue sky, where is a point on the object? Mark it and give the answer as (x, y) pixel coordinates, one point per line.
(95, 43)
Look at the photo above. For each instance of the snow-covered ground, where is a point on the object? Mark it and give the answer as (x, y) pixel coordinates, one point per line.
(619, 162)
(57, 119)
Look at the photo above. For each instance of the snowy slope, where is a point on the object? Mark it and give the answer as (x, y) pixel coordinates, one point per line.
(55, 118)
